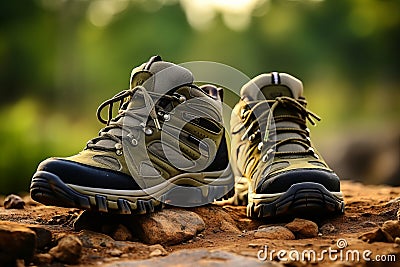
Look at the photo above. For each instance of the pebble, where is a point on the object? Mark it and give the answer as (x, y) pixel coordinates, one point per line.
(377, 235)
(115, 252)
(303, 228)
(68, 249)
(327, 228)
(91, 239)
(368, 224)
(169, 226)
(274, 232)
(392, 227)
(14, 202)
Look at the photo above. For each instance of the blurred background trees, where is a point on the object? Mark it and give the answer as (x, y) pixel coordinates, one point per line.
(60, 58)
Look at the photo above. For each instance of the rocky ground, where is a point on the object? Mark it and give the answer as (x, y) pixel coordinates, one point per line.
(205, 236)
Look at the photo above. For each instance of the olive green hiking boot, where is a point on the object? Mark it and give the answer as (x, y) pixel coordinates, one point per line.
(166, 145)
(276, 166)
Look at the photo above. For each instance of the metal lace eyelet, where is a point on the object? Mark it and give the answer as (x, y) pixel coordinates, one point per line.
(182, 98)
(251, 137)
(166, 117)
(133, 140)
(148, 130)
(266, 156)
(260, 146)
(242, 113)
(310, 149)
(118, 147)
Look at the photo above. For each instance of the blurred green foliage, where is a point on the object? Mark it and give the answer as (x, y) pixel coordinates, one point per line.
(60, 58)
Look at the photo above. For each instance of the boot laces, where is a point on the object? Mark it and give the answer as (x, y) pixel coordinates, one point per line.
(268, 107)
(124, 98)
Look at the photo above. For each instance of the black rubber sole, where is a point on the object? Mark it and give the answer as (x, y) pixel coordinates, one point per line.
(306, 199)
(47, 188)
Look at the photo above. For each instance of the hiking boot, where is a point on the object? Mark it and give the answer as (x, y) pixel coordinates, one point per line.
(166, 145)
(273, 157)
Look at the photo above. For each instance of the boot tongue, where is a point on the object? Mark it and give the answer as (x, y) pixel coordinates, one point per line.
(273, 85)
(160, 76)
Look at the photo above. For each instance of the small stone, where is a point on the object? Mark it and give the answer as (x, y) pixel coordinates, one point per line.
(157, 250)
(392, 227)
(368, 224)
(327, 228)
(58, 219)
(274, 232)
(169, 226)
(397, 240)
(121, 233)
(16, 242)
(95, 240)
(228, 227)
(303, 228)
(155, 253)
(251, 245)
(42, 259)
(14, 202)
(68, 249)
(115, 252)
(377, 235)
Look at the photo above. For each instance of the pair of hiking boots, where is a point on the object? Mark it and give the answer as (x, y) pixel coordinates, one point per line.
(168, 145)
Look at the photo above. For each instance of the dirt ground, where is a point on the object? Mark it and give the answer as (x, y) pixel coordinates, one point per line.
(367, 207)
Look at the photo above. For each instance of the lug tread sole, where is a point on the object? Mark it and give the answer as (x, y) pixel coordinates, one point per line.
(47, 188)
(302, 199)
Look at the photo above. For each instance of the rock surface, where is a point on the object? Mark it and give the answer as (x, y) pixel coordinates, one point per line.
(122, 233)
(14, 202)
(274, 232)
(392, 227)
(198, 257)
(217, 219)
(16, 242)
(95, 240)
(303, 228)
(68, 250)
(377, 235)
(169, 226)
(43, 235)
(42, 259)
(367, 207)
(157, 250)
